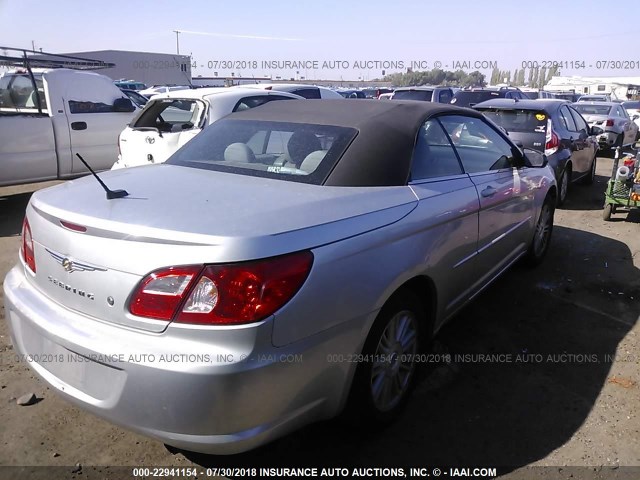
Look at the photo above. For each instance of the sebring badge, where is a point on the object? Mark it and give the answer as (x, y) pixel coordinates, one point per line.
(73, 265)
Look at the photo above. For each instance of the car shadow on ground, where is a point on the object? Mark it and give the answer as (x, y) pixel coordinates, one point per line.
(12, 208)
(549, 336)
(586, 197)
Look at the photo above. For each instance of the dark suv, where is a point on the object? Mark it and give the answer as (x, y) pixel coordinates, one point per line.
(554, 128)
(468, 97)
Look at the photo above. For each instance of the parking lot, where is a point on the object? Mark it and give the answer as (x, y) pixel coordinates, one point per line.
(558, 383)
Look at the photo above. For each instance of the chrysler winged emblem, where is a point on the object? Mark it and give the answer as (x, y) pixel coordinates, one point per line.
(73, 265)
(67, 265)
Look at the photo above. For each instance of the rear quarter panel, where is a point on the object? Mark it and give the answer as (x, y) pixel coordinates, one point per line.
(353, 278)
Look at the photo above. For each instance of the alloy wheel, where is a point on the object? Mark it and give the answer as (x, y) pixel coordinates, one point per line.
(394, 361)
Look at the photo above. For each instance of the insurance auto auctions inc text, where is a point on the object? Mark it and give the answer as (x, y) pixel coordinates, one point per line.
(377, 472)
(299, 65)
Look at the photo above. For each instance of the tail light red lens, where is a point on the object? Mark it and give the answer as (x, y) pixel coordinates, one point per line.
(552, 141)
(610, 122)
(228, 294)
(27, 246)
(160, 293)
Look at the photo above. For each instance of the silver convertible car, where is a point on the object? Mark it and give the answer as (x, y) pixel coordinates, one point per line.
(287, 264)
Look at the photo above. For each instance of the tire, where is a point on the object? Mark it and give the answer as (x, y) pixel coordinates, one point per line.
(384, 380)
(542, 234)
(606, 212)
(589, 178)
(563, 186)
(617, 145)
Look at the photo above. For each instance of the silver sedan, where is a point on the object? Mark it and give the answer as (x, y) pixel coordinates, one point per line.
(618, 129)
(290, 262)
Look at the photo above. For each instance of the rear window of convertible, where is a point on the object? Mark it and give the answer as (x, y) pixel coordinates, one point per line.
(298, 152)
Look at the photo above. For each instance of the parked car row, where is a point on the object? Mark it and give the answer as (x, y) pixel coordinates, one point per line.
(553, 127)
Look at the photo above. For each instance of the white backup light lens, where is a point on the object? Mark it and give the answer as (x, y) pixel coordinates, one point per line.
(203, 298)
(174, 285)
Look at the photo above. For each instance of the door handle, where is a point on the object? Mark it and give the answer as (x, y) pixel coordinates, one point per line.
(78, 125)
(488, 192)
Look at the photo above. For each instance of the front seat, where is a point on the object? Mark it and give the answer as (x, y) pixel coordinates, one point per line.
(239, 153)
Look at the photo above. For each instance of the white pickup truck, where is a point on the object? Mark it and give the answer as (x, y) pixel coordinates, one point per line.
(68, 112)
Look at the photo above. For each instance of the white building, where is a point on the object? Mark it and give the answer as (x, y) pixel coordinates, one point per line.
(620, 88)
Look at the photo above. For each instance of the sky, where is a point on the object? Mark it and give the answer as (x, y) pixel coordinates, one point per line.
(341, 39)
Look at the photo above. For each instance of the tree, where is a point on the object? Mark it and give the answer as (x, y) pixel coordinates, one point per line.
(520, 80)
(495, 76)
(436, 77)
(475, 79)
(542, 76)
(530, 81)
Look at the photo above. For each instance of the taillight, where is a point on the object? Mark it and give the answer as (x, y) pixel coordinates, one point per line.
(160, 293)
(27, 246)
(610, 122)
(552, 141)
(228, 294)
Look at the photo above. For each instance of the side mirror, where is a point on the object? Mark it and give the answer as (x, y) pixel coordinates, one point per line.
(595, 130)
(534, 158)
(635, 117)
(123, 105)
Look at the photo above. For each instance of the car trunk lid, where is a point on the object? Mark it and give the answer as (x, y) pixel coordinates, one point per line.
(91, 252)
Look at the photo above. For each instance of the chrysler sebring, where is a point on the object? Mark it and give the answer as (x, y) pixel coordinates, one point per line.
(285, 265)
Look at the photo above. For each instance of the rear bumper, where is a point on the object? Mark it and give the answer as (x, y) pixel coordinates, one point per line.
(219, 391)
(607, 139)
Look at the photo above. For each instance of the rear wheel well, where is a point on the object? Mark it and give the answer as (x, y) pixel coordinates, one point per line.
(568, 167)
(424, 289)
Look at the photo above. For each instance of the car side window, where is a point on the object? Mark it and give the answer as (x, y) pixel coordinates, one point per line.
(277, 143)
(577, 118)
(567, 119)
(479, 146)
(445, 96)
(433, 155)
(255, 101)
(308, 93)
(622, 112)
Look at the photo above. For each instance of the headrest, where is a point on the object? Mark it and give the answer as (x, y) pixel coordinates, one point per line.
(302, 144)
(239, 152)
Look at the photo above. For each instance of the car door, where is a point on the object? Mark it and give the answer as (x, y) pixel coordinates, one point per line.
(630, 129)
(93, 131)
(448, 211)
(506, 198)
(576, 142)
(587, 142)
